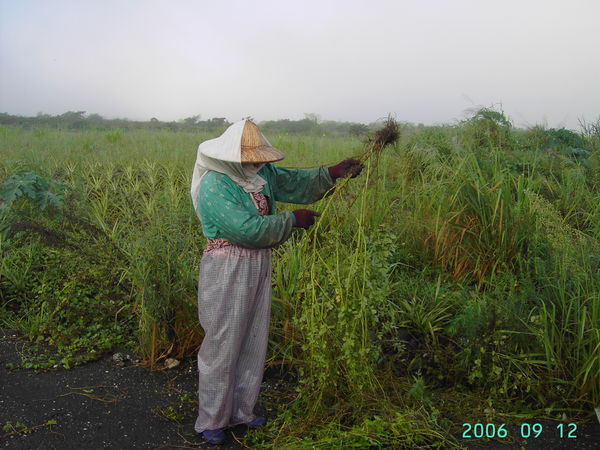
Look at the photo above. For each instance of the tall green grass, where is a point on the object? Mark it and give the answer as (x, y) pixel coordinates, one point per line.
(466, 259)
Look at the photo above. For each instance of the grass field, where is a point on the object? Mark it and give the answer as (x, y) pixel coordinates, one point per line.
(456, 280)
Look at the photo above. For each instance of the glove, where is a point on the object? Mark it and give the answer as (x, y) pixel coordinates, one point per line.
(305, 217)
(347, 166)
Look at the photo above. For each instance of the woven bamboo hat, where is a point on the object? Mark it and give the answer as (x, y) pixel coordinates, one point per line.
(255, 148)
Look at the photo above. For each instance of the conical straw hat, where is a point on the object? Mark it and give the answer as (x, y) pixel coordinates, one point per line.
(255, 149)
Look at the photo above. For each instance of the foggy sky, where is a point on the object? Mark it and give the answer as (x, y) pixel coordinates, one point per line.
(423, 61)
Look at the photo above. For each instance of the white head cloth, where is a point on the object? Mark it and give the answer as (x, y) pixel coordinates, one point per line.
(224, 155)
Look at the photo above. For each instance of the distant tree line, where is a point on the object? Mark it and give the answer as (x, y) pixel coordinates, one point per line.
(79, 120)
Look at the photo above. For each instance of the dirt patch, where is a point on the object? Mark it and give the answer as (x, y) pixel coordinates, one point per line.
(102, 405)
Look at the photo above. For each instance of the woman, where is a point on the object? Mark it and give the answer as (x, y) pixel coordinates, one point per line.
(234, 190)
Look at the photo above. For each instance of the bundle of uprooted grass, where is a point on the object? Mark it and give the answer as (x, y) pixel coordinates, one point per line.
(385, 136)
(374, 145)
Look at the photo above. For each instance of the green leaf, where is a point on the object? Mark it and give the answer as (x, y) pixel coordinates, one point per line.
(47, 198)
(9, 192)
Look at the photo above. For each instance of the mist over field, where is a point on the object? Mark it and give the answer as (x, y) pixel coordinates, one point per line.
(424, 62)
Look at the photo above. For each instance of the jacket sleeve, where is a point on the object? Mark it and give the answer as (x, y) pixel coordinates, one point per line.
(300, 186)
(239, 225)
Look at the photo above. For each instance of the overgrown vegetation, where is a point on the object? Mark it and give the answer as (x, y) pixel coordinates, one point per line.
(457, 279)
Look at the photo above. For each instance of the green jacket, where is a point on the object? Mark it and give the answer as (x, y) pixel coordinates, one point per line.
(227, 211)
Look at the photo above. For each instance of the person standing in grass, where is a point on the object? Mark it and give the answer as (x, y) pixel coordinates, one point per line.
(234, 190)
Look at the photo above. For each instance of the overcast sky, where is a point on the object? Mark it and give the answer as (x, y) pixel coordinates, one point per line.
(423, 61)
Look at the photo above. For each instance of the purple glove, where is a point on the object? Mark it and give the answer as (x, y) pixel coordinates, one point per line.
(305, 218)
(347, 166)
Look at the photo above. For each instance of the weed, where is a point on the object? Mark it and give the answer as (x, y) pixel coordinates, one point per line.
(20, 428)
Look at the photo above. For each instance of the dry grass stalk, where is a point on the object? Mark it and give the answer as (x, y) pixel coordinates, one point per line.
(385, 136)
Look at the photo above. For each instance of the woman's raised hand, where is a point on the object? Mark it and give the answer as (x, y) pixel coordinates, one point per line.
(348, 166)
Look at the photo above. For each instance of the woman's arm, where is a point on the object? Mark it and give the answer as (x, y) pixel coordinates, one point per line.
(301, 186)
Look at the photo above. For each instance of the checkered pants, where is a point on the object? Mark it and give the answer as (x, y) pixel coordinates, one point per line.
(234, 308)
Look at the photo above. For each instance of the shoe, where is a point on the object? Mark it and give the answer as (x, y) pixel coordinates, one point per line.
(214, 436)
(258, 422)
